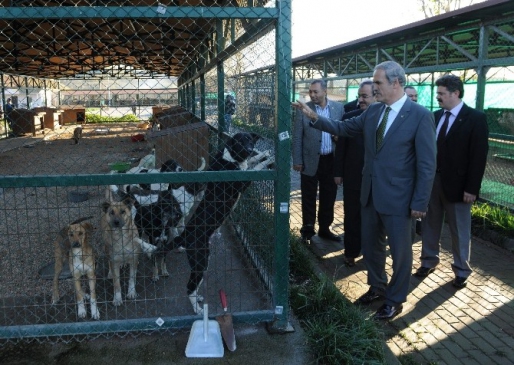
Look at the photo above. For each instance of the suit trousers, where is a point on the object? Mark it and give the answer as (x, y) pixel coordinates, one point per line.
(327, 194)
(375, 228)
(458, 216)
(352, 222)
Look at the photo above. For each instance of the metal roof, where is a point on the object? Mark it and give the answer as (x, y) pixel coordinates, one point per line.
(448, 41)
(99, 38)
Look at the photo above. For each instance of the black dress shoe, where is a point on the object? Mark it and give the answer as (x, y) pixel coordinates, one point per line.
(327, 235)
(307, 232)
(424, 271)
(369, 297)
(387, 311)
(349, 261)
(460, 282)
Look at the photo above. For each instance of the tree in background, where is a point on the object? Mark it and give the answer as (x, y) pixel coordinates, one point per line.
(432, 8)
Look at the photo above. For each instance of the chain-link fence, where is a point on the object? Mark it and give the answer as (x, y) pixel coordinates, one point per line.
(114, 111)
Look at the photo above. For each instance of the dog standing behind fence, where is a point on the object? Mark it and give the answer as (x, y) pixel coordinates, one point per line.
(218, 202)
(74, 241)
(122, 242)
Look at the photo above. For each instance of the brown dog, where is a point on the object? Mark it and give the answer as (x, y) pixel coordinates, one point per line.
(73, 242)
(122, 243)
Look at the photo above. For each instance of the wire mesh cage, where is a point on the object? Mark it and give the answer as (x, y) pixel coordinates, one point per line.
(130, 191)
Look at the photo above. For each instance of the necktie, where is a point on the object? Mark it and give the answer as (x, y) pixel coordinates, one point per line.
(382, 127)
(441, 137)
(442, 132)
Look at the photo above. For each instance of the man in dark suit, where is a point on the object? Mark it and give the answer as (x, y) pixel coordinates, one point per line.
(398, 174)
(462, 146)
(348, 163)
(313, 156)
(351, 106)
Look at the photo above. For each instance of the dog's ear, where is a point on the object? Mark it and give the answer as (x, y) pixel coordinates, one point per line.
(109, 195)
(105, 206)
(88, 227)
(128, 201)
(64, 238)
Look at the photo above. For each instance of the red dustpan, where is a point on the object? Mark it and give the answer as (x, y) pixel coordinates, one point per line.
(226, 326)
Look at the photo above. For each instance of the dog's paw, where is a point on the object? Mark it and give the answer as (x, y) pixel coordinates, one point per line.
(265, 154)
(117, 299)
(147, 248)
(197, 308)
(195, 300)
(55, 300)
(165, 272)
(155, 278)
(199, 298)
(81, 309)
(109, 275)
(95, 313)
(131, 294)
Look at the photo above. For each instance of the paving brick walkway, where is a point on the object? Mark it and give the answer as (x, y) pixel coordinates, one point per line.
(439, 324)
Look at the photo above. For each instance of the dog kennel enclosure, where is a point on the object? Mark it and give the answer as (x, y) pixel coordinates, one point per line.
(115, 70)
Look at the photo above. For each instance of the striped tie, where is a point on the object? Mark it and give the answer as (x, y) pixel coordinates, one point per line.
(382, 127)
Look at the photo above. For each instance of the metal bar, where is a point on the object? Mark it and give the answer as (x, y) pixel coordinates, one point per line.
(283, 181)
(250, 36)
(220, 46)
(108, 179)
(483, 45)
(117, 326)
(134, 12)
(459, 48)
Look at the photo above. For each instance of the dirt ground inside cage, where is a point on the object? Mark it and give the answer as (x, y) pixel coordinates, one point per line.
(30, 219)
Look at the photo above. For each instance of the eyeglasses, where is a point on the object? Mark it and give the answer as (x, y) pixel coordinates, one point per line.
(364, 96)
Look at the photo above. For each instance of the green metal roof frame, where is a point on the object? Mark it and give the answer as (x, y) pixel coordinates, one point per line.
(474, 37)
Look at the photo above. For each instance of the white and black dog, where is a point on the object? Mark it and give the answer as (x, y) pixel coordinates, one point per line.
(156, 221)
(160, 210)
(146, 194)
(218, 202)
(165, 219)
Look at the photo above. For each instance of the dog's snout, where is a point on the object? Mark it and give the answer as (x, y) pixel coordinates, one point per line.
(117, 223)
(75, 244)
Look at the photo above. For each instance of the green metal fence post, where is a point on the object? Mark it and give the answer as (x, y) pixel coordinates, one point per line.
(283, 167)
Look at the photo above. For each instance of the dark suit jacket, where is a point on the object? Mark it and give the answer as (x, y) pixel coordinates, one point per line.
(465, 153)
(402, 170)
(307, 140)
(351, 106)
(349, 157)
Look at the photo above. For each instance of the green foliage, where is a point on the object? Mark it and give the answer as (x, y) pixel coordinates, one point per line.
(337, 331)
(260, 130)
(491, 217)
(96, 118)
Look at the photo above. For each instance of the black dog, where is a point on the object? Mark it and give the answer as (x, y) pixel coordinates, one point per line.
(156, 220)
(218, 202)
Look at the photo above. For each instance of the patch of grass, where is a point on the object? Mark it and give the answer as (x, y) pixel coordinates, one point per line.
(96, 118)
(491, 217)
(337, 331)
